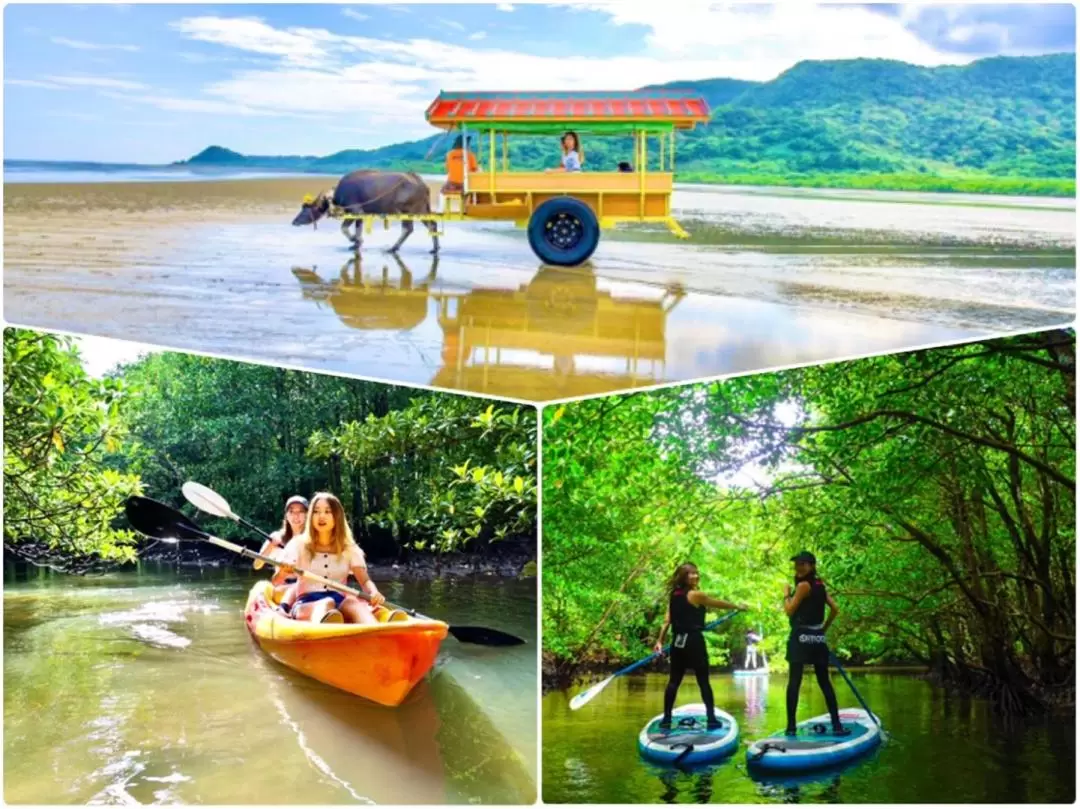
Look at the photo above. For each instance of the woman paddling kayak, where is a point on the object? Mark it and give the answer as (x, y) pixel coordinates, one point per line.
(292, 524)
(686, 617)
(327, 547)
(805, 609)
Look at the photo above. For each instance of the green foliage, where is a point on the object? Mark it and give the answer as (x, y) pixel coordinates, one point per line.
(956, 183)
(460, 471)
(259, 435)
(1000, 125)
(58, 427)
(937, 489)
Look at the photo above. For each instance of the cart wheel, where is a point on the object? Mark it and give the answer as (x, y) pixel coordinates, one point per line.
(564, 232)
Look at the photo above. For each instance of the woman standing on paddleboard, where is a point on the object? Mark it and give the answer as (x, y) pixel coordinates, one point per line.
(686, 617)
(805, 608)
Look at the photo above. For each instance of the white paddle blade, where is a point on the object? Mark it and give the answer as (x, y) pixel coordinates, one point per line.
(207, 500)
(585, 696)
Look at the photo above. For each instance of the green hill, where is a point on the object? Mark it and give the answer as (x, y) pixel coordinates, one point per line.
(1002, 124)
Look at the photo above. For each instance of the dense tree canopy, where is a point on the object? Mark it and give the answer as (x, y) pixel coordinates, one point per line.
(60, 498)
(936, 487)
(453, 470)
(416, 471)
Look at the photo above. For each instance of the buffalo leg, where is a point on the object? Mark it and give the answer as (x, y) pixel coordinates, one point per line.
(433, 227)
(406, 232)
(357, 236)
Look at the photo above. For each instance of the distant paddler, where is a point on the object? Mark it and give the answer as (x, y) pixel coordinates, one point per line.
(372, 192)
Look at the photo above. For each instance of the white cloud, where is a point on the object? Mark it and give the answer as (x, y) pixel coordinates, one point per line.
(91, 46)
(97, 81)
(202, 58)
(759, 42)
(387, 83)
(298, 45)
(478, 35)
(354, 14)
(504, 6)
(43, 85)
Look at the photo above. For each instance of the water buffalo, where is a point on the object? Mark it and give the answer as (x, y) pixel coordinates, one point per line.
(373, 192)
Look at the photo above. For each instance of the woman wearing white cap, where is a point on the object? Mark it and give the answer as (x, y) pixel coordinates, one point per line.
(296, 509)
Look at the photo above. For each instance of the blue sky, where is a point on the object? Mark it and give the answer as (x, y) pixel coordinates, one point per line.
(156, 83)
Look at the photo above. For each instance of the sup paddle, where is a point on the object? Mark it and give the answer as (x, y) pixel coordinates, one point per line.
(592, 691)
(206, 499)
(854, 690)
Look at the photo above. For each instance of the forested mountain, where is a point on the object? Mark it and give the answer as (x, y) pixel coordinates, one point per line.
(1003, 117)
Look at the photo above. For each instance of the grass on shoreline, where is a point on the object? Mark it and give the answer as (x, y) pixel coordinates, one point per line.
(958, 183)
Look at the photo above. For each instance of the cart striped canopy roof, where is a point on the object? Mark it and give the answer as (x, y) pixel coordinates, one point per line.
(648, 109)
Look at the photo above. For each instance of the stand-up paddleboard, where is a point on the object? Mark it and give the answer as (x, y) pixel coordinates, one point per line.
(815, 746)
(689, 742)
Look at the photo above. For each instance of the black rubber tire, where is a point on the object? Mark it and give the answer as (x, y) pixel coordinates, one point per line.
(563, 232)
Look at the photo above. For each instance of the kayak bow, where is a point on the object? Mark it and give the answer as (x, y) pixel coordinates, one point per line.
(380, 662)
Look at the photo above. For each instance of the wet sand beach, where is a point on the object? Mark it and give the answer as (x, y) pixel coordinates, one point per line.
(767, 279)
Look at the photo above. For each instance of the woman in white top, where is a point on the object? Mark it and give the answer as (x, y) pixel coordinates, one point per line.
(327, 547)
(296, 509)
(571, 153)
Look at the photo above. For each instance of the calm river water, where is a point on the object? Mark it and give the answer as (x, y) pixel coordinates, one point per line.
(940, 749)
(145, 688)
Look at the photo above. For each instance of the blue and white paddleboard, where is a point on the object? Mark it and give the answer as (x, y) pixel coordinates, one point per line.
(688, 742)
(815, 746)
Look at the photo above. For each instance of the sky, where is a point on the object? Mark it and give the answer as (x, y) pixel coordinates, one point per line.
(99, 355)
(157, 83)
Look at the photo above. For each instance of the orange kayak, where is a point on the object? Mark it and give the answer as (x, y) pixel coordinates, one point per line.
(381, 662)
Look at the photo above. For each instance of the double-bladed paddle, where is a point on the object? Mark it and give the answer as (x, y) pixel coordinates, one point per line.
(161, 521)
(209, 501)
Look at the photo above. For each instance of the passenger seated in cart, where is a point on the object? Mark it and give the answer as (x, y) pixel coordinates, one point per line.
(571, 157)
(457, 159)
(328, 549)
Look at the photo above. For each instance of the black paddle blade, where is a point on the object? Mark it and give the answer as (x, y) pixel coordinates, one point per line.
(484, 636)
(155, 519)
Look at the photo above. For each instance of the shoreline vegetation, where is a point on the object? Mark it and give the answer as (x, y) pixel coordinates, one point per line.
(959, 183)
(552, 679)
(513, 563)
(422, 475)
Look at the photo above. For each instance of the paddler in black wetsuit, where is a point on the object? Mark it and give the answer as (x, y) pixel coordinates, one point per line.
(806, 644)
(686, 617)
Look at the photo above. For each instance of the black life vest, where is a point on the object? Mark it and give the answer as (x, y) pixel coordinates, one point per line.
(685, 617)
(811, 611)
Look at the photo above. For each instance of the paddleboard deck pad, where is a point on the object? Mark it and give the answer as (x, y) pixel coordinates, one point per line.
(688, 741)
(814, 746)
